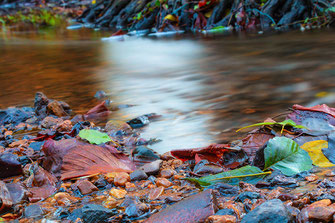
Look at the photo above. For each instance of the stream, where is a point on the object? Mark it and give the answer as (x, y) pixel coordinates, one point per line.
(204, 87)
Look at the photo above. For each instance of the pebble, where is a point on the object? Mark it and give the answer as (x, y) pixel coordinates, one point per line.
(86, 187)
(138, 175)
(155, 193)
(117, 193)
(311, 178)
(110, 202)
(221, 219)
(121, 179)
(167, 173)
(152, 168)
(163, 182)
(33, 211)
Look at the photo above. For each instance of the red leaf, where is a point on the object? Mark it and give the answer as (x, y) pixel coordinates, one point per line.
(317, 108)
(212, 153)
(73, 158)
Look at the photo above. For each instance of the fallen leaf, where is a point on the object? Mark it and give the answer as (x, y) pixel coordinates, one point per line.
(285, 155)
(314, 149)
(248, 174)
(171, 18)
(94, 136)
(317, 108)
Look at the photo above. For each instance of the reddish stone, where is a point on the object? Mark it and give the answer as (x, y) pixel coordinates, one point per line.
(86, 187)
(163, 182)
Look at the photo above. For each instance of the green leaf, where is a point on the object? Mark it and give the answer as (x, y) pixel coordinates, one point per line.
(196, 7)
(285, 155)
(249, 174)
(331, 9)
(287, 122)
(94, 136)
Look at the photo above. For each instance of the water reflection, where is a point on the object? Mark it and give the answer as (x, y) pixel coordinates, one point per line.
(204, 88)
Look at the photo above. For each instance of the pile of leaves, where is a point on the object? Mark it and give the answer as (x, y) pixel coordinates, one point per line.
(304, 139)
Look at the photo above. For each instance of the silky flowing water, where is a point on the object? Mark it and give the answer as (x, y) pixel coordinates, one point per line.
(204, 87)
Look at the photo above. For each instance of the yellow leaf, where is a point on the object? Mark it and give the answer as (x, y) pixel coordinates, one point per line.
(314, 149)
(208, 14)
(171, 18)
(94, 1)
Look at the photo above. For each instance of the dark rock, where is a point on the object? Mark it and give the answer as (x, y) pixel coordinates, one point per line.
(152, 168)
(24, 160)
(248, 195)
(9, 165)
(61, 213)
(100, 94)
(226, 211)
(272, 211)
(209, 169)
(327, 184)
(101, 183)
(196, 208)
(144, 154)
(224, 189)
(139, 122)
(282, 180)
(17, 192)
(15, 115)
(36, 146)
(92, 213)
(33, 211)
(138, 175)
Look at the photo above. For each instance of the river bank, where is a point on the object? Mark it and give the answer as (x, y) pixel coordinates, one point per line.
(56, 165)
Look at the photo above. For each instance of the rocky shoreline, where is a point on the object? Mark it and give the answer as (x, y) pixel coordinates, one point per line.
(61, 167)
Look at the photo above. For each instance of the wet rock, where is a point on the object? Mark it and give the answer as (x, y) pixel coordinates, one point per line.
(56, 108)
(117, 127)
(155, 193)
(44, 106)
(9, 165)
(163, 182)
(86, 187)
(100, 94)
(226, 211)
(167, 173)
(130, 186)
(319, 211)
(117, 193)
(6, 201)
(121, 179)
(61, 213)
(283, 181)
(225, 189)
(247, 195)
(36, 146)
(152, 168)
(327, 184)
(221, 219)
(15, 115)
(196, 208)
(138, 175)
(311, 178)
(110, 202)
(33, 211)
(144, 154)
(136, 209)
(139, 122)
(65, 126)
(101, 183)
(17, 192)
(49, 122)
(209, 169)
(65, 199)
(92, 213)
(270, 211)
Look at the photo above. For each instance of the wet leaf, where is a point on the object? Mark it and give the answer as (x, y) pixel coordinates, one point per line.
(94, 136)
(314, 149)
(285, 155)
(318, 108)
(171, 18)
(287, 122)
(249, 174)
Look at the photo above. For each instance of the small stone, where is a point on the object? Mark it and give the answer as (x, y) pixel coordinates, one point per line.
(167, 156)
(221, 219)
(321, 203)
(311, 178)
(130, 186)
(117, 127)
(33, 211)
(49, 121)
(155, 193)
(272, 211)
(121, 179)
(93, 213)
(138, 175)
(65, 126)
(176, 162)
(163, 182)
(167, 173)
(152, 168)
(56, 108)
(65, 199)
(110, 202)
(86, 187)
(117, 193)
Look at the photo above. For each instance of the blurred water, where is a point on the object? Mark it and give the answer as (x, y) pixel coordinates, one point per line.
(204, 87)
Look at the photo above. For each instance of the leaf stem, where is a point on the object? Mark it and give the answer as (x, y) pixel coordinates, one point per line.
(241, 176)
